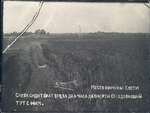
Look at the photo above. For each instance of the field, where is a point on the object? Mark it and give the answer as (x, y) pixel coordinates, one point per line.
(37, 62)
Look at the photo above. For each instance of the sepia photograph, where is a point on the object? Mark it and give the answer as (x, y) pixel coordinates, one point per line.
(76, 57)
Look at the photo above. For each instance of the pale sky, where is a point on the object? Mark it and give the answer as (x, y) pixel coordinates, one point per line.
(61, 17)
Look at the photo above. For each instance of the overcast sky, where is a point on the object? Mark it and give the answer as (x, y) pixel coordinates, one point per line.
(67, 17)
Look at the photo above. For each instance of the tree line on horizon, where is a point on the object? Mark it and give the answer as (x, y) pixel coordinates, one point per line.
(44, 32)
(38, 31)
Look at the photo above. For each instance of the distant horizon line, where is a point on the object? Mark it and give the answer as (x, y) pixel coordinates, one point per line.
(80, 32)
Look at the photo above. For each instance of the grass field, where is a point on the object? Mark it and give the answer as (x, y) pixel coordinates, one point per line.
(93, 58)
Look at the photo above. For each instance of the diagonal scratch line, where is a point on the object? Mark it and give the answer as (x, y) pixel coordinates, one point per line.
(26, 28)
(147, 4)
